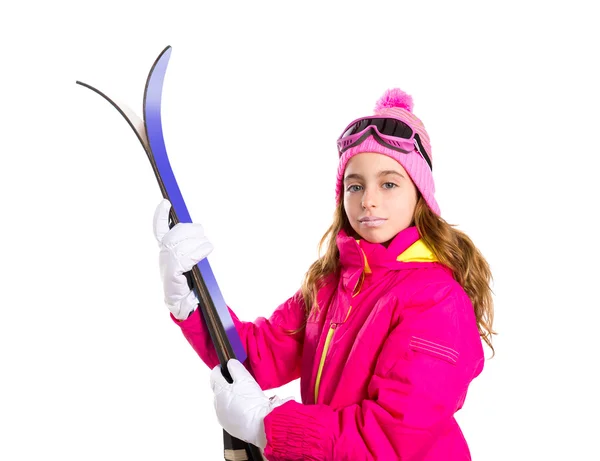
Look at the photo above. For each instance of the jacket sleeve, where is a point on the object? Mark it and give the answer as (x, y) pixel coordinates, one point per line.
(420, 380)
(274, 354)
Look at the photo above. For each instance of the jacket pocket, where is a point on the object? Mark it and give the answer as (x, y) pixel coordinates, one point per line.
(434, 349)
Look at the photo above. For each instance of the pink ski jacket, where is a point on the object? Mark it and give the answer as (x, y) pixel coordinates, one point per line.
(383, 366)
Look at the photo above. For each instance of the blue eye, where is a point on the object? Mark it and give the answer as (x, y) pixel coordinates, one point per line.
(353, 188)
(389, 185)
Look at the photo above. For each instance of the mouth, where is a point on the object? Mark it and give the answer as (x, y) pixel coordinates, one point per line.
(371, 221)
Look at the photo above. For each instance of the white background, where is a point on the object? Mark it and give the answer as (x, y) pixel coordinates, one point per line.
(91, 366)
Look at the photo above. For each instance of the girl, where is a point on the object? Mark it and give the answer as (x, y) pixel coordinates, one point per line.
(386, 331)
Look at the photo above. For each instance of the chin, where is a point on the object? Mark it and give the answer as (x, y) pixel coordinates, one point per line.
(376, 236)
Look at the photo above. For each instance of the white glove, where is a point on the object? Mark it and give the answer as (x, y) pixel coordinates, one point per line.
(181, 248)
(242, 405)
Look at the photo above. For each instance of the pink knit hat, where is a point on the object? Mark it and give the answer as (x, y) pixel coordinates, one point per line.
(395, 103)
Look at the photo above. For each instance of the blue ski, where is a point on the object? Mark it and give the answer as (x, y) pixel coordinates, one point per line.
(154, 132)
(216, 314)
(150, 134)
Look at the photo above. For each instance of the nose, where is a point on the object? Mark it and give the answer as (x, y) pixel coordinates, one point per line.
(369, 198)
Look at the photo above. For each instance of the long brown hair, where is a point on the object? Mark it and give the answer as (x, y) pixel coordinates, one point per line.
(452, 247)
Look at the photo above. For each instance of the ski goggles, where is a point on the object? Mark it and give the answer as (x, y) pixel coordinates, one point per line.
(389, 132)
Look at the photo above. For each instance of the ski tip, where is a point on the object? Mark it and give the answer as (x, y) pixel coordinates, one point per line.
(85, 85)
(166, 49)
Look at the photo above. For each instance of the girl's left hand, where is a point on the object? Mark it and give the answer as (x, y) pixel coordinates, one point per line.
(242, 405)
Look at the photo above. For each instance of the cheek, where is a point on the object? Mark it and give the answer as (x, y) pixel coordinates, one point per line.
(405, 204)
(349, 203)
(410, 196)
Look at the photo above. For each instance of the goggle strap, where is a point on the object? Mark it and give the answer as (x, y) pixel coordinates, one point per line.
(422, 151)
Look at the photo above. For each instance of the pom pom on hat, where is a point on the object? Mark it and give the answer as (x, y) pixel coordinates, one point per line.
(394, 97)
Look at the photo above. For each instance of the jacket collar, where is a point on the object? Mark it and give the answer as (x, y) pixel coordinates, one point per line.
(404, 251)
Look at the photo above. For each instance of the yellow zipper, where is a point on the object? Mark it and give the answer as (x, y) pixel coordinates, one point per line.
(327, 341)
(333, 326)
(330, 333)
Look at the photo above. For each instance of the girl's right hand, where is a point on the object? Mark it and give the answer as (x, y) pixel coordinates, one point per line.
(181, 248)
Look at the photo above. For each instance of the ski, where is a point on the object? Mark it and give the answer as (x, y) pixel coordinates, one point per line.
(212, 304)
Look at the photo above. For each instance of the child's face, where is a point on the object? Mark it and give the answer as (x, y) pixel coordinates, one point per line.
(379, 197)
